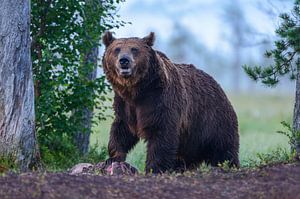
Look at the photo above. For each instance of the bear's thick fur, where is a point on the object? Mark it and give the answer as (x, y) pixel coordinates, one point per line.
(180, 111)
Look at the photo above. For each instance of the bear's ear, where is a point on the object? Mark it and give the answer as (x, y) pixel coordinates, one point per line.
(107, 38)
(149, 40)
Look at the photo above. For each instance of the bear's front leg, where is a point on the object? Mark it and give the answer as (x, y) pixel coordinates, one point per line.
(121, 141)
(161, 152)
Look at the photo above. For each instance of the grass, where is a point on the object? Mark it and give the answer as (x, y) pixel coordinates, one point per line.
(259, 118)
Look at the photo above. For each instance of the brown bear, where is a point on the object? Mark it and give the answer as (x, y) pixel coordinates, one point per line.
(180, 111)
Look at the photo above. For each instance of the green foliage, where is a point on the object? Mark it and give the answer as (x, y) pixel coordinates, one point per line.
(278, 155)
(7, 163)
(63, 34)
(94, 155)
(225, 166)
(293, 136)
(204, 168)
(286, 53)
(59, 161)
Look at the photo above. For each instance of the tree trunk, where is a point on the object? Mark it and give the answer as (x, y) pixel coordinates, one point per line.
(82, 138)
(296, 123)
(236, 68)
(17, 120)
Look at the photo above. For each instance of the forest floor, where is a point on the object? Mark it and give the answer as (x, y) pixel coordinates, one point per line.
(276, 181)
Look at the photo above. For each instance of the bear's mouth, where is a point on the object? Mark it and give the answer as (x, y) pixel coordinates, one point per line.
(125, 72)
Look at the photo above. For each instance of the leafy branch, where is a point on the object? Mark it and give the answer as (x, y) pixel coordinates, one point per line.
(286, 53)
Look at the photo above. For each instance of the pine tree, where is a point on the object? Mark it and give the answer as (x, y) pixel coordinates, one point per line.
(286, 62)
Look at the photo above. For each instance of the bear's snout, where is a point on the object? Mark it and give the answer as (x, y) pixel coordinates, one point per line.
(125, 66)
(124, 63)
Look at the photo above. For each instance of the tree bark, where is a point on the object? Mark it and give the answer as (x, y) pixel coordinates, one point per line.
(17, 120)
(296, 121)
(82, 138)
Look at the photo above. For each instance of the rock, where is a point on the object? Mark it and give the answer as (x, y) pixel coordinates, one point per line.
(115, 168)
(118, 168)
(80, 168)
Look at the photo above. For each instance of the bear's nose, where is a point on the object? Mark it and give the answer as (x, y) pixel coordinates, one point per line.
(124, 62)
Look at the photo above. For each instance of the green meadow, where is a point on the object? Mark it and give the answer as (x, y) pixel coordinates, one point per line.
(259, 118)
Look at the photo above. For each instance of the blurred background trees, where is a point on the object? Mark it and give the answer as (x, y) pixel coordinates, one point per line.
(226, 34)
(240, 36)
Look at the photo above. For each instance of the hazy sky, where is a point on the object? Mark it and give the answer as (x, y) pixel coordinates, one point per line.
(204, 18)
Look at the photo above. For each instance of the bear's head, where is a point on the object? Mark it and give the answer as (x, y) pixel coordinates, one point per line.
(127, 60)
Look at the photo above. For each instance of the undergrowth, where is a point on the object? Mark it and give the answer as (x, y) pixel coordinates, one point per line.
(96, 154)
(279, 155)
(7, 164)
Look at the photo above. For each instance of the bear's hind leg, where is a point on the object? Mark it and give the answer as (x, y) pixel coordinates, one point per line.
(219, 157)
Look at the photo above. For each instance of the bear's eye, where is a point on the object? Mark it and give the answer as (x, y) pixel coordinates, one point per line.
(117, 50)
(134, 50)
